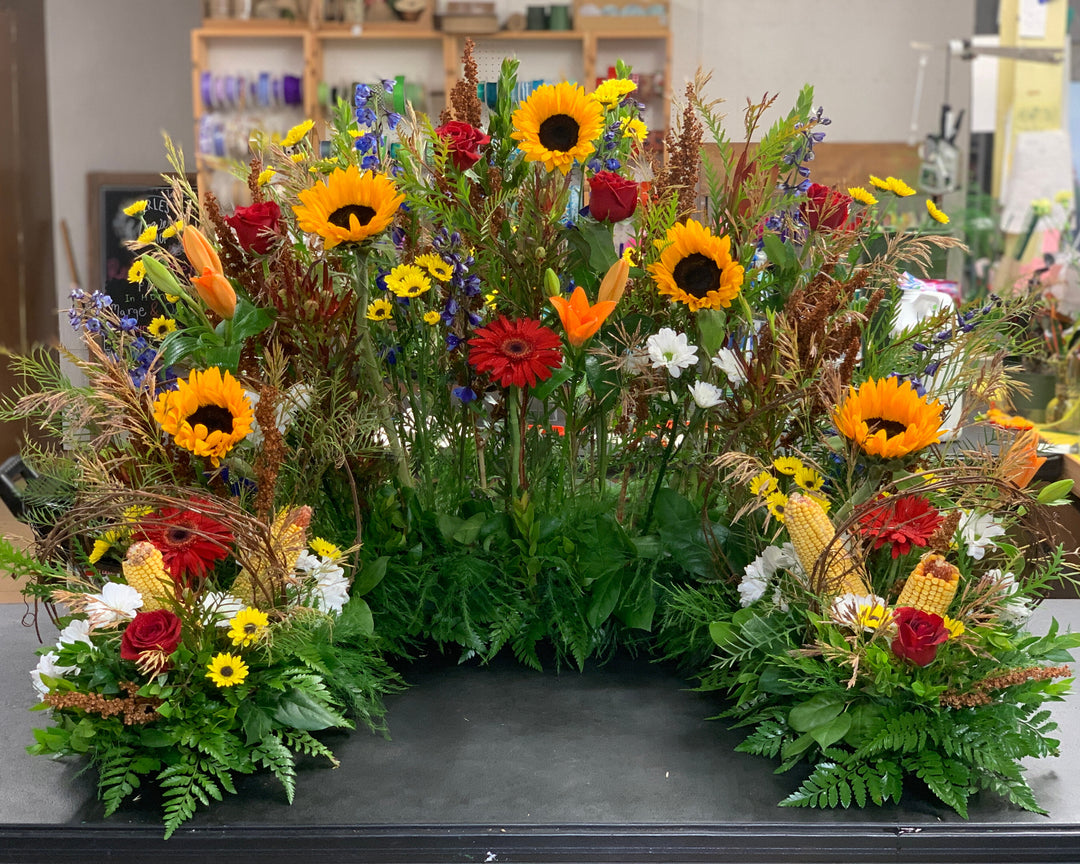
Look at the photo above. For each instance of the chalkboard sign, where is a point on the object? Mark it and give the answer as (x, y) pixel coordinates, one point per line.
(110, 228)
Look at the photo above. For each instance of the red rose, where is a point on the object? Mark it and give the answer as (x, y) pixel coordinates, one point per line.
(918, 635)
(150, 638)
(825, 208)
(256, 226)
(464, 142)
(612, 197)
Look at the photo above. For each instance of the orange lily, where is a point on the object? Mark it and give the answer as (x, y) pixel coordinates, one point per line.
(614, 283)
(579, 319)
(1022, 459)
(213, 287)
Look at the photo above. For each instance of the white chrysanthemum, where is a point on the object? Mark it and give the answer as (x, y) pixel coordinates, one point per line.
(115, 603)
(706, 395)
(47, 665)
(671, 351)
(219, 607)
(330, 591)
(727, 361)
(1016, 610)
(77, 630)
(977, 531)
(760, 571)
(292, 401)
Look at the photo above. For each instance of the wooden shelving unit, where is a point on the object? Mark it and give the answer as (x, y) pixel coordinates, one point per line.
(309, 42)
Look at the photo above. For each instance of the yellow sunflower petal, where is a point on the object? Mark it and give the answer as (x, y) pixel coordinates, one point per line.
(349, 207)
(557, 125)
(887, 418)
(208, 414)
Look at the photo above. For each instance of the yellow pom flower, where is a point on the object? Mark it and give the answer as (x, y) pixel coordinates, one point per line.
(380, 310)
(172, 298)
(135, 208)
(149, 235)
(789, 465)
(936, 214)
(324, 548)
(899, 188)
(265, 176)
(247, 627)
(226, 670)
(636, 129)
(296, 134)
(172, 230)
(861, 195)
(432, 317)
(955, 628)
(879, 183)
(136, 272)
(161, 327)
(297, 158)
(609, 93)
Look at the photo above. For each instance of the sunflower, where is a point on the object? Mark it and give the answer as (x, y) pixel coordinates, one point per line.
(516, 352)
(557, 124)
(435, 265)
(208, 414)
(380, 310)
(161, 327)
(886, 417)
(189, 542)
(696, 268)
(247, 626)
(349, 207)
(225, 670)
(408, 280)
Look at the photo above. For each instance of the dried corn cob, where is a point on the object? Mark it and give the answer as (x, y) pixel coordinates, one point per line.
(811, 534)
(263, 579)
(144, 569)
(931, 585)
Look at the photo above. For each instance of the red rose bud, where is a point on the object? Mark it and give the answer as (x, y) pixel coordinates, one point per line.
(149, 640)
(256, 226)
(825, 208)
(464, 143)
(612, 197)
(918, 634)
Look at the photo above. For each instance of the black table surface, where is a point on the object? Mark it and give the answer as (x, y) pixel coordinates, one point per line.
(503, 764)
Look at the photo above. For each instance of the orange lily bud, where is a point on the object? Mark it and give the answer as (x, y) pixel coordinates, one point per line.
(216, 293)
(579, 319)
(614, 281)
(1022, 460)
(200, 253)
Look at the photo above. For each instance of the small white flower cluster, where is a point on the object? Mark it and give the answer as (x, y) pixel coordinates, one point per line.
(760, 572)
(77, 631)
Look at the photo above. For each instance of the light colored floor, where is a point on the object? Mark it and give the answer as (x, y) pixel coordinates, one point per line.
(17, 531)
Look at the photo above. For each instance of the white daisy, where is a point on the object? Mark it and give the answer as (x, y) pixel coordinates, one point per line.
(330, 591)
(727, 361)
(977, 531)
(47, 666)
(706, 395)
(671, 350)
(115, 603)
(219, 607)
(77, 630)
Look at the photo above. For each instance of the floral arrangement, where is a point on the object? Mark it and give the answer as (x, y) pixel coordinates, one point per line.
(416, 394)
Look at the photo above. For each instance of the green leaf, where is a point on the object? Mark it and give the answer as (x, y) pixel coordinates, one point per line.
(721, 632)
(457, 530)
(605, 596)
(151, 737)
(369, 576)
(1056, 492)
(545, 388)
(256, 721)
(712, 326)
(603, 380)
(301, 711)
(356, 617)
(815, 712)
(224, 356)
(248, 320)
(829, 733)
(679, 524)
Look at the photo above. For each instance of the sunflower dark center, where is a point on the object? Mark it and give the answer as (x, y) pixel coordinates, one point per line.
(891, 427)
(341, 216)
(697, 275)
(559, 132)
(516, 348)
(213, 417)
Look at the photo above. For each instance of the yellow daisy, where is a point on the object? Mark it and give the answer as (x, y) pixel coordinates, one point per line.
(172, 298)
(636, 129)
(106, 542)
(432, 317)
(136, 272)
(265, 176)
(380, 310)
(173, 230)
(611, 92)
(135, 208)
(899, 188)
(776, 502)
(557, 125)
(861, 195)
(872, 617)
(226, 670)
(696, 268)
(295, 135)
(763, 484)
(349, 207)
(408, 280)
(297, 158)
(808, 479)
(161, 327)
(247, 627)
(435, 265)
(324, 548)
(879, 183)
(886, 417)
(208, 414)
(955, 628)
(789, 465)
(149, 235)
(491, 299)
(936, 214)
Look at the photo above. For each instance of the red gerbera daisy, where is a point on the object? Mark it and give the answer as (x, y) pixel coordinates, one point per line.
(515, 352)
(189, 542)
(904, 521)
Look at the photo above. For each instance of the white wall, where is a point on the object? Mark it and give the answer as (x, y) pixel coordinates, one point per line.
(119, 73)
